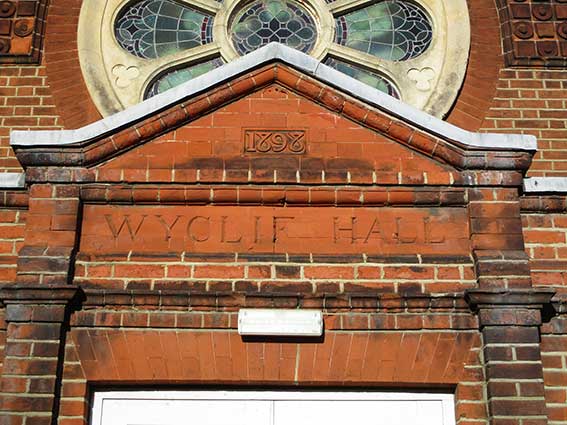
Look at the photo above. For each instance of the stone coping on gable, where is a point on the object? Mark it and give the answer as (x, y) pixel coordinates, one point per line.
(275, 52)
(12, 180)
(545, 185)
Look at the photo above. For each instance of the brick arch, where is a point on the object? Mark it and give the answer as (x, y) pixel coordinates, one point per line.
(485, 62)
(63, 69)
(114, 356)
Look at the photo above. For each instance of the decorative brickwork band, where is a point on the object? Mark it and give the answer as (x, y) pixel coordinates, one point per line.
(21, 30)
(509, 321)
(534, 32)
(33, 364)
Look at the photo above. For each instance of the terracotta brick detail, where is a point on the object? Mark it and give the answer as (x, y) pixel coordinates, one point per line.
(534, 32)
(21, 31)
(171, 224)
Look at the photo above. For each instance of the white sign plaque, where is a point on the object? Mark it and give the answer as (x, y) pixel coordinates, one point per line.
(280, 322)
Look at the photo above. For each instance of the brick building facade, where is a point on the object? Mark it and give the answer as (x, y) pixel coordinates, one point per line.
(437, 251)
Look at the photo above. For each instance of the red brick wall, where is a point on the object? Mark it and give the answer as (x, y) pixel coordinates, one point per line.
(554, 357)
(25, 103)
(70, 95)
(276, 275)
(545, 237)
(526, 101)
(533, 102)
(545, 234)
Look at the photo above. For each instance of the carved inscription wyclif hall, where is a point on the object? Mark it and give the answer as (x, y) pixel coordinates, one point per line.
(275, 141)
(321, 230)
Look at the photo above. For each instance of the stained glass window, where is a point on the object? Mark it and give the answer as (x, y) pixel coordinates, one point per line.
(390, 30)
(178, 76)
(368, 77)
(266, 21)
(388, 44)
(154, 28)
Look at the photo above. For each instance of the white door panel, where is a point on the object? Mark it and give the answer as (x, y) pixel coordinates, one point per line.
(270, 408)
(198, 412)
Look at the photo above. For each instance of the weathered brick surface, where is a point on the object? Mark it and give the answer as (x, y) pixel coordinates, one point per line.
(554, 358)
(546, 244)
(29, 371)
(12, 225)
(64, 77)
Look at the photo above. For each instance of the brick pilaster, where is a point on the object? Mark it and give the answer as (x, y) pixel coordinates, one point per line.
(36, 318)
(509, 322)
(497, 239)
(50, 237)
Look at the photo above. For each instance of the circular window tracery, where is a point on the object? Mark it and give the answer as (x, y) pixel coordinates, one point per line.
(266, 21)
(407, 49)
(390, 30)
(154, 28)
(175, 77)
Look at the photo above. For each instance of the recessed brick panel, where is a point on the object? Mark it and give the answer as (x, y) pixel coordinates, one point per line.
(317, 230)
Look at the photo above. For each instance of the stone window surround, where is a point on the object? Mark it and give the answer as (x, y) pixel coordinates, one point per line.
(117, 79)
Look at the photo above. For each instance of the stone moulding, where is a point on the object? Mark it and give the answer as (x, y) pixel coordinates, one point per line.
(306, 65)
(545, 185)
(223, 301)
(530, 298)
(41, 294)
(12, 180)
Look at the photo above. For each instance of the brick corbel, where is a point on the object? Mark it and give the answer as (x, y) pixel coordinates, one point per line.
(39, 303)
(510, 322)
(530, 298)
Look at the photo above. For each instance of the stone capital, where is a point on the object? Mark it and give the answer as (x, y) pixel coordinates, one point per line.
(509, 307)
(509, 298)
(38, 303)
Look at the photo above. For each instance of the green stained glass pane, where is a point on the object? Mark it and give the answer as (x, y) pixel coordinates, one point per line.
(265, 21)
(368, 77)
(155, 28)
(391, 30)
(176, 77)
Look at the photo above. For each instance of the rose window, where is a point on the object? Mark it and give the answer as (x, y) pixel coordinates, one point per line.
(263, 22)
(413, 50)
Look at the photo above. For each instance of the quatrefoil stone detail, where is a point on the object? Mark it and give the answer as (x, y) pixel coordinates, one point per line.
(422, 77)
(125, 74)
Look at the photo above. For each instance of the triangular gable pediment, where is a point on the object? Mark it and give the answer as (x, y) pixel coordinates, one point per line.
(275, 134)
(395, 136)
